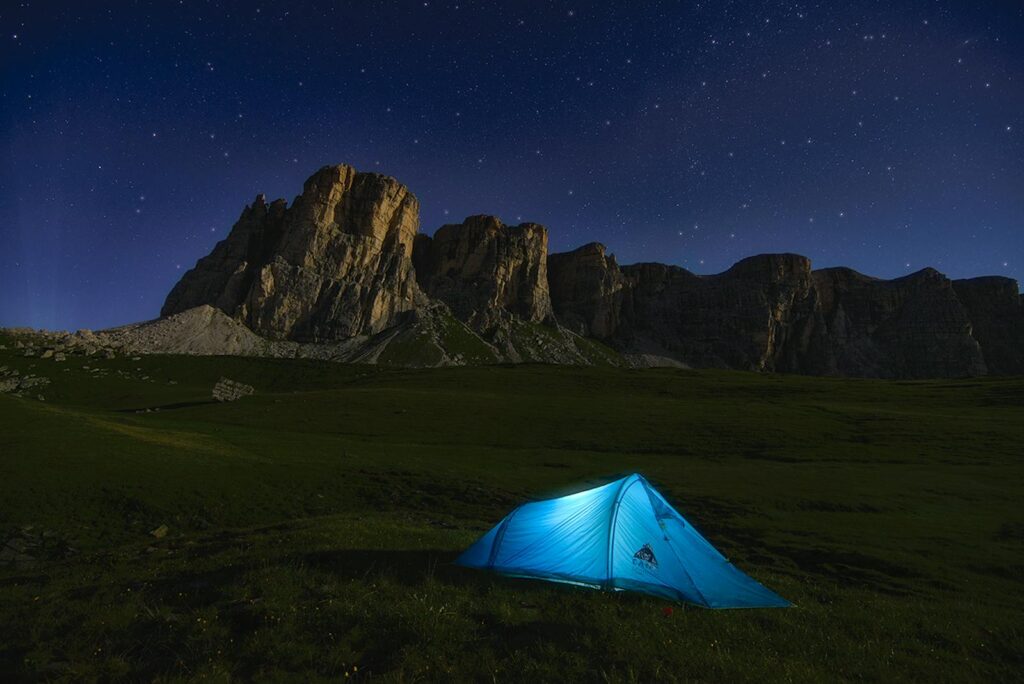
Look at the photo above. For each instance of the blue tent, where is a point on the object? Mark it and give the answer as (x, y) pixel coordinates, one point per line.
(621, 536)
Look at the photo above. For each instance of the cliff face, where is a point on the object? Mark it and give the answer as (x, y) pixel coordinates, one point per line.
(910, 327)
(996, 311)
(345, 267)
(771, 312)
(587, 289)
(222, 279)
(486, 271)
(760, 314)
(336, 264)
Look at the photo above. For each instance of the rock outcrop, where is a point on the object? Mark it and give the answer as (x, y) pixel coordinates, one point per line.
(772, 313)
(910, 327)
(587, 290)
(334, 265)
(487, 272)
(995, 308)
(231, 390)
(758, 315)
(344, 274)
(223, 278)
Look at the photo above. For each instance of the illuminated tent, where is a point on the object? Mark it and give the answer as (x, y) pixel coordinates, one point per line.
(622, 536)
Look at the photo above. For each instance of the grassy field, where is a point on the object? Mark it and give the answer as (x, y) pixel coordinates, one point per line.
(311, 527)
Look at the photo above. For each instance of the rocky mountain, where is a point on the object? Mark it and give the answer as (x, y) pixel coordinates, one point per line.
(995, 308)
(588, 288)
(334, 265)
(915, 326)
(755, 316)
(487, 272)
(344, 274)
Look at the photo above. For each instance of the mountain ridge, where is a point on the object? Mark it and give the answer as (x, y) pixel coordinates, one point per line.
(344, 273)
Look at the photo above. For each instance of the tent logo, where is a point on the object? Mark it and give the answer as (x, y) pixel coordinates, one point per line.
(644, 558)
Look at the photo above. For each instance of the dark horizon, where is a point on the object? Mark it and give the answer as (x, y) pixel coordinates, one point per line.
(881, 138)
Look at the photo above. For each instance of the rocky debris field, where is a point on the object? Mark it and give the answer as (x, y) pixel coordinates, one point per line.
(12, 381)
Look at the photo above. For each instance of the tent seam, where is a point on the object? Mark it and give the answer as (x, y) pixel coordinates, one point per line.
(672, 548)
(493, 556)
(631, 480)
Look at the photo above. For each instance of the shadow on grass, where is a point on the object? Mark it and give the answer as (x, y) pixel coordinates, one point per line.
(168, 407)
(407, 567)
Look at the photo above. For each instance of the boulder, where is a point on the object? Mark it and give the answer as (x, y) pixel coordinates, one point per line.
(230, 390)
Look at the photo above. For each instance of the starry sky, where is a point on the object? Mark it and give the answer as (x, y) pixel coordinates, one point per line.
(886, 136)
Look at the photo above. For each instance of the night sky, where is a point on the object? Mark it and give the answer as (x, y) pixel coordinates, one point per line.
(883, 136)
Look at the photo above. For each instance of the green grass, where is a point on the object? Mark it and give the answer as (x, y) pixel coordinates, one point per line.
(460, 340)
(410, 348)
(312, 526)
(598, 353)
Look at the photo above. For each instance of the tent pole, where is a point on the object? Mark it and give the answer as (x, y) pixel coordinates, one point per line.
(631, 480)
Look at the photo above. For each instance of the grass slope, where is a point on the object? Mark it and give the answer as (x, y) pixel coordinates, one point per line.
(312, 526)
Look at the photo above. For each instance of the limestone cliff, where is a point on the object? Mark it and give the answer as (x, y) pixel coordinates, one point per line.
(335, 264)
(910, 327)
(223, 278)
(587, 289)
(758, 315)
(996, 311)
(486, 271)
(344, 274)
